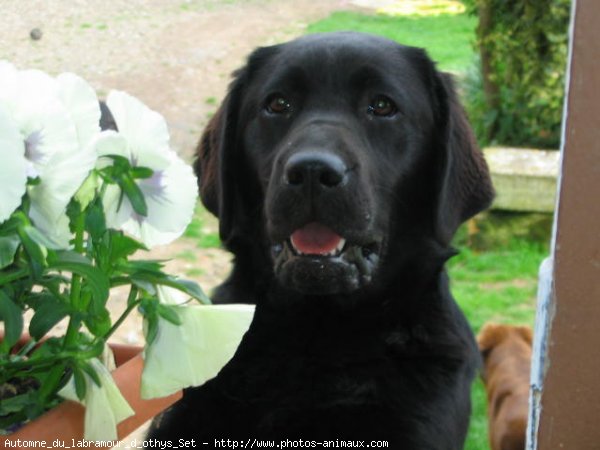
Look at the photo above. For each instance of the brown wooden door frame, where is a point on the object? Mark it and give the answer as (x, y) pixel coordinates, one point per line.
(565, 407)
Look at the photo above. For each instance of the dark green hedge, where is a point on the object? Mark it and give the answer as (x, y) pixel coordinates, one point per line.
(517, 97)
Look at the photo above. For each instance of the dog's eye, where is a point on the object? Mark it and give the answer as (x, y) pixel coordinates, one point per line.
(382, 106)
(278, 104)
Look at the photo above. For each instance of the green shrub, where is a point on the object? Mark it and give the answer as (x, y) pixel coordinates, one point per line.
(517, 99)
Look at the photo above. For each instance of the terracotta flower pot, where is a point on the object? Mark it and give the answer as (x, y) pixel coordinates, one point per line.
(65, 422)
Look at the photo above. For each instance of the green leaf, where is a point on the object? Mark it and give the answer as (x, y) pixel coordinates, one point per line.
(144, 285)
(69, 256)
(8, 276)
(74, 211)
(191, 288)
(42, 240)
(94, 349)
(80, 384)
(89, 370)
(97, 282)
(187, 286)
(87, 191)
(98, 322)
(169, 313)
(35, 253)
(134, 194)
(49, 313)
(120, 164)
(142, 266)
(141, 172)
(9, 227)
(48, 348)
(151, 329)
(123, 246)
(8, 249)
(95, 222)
(148, 306)
(12, 317)
(16, 403)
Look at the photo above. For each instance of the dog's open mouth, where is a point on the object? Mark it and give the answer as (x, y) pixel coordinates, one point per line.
(316, 239)
(315, 259)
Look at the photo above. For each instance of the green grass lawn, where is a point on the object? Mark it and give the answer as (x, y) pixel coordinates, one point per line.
(498, 285)
(447, 38)
(203, 228)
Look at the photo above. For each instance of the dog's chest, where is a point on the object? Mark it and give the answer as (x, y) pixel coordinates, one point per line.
(372, 386)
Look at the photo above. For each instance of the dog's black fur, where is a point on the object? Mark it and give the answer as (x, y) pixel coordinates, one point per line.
(368, 344)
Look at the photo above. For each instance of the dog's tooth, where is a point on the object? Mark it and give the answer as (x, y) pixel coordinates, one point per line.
(340, 245)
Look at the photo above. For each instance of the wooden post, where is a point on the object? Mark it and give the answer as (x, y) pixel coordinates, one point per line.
(568, 360)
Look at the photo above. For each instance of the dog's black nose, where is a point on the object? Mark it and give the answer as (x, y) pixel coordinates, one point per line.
(317, 169)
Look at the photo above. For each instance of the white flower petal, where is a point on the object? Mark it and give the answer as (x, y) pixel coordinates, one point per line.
(171, 296)
(117, 210)
(57, 121)
(61, 178)
(170, 193)
(82, 104)
(56, 230)
(104, 405)
(171, 196)
(13, 169)
(38, 109)
(195, 351)
(145, 130)
(110, 142)
(179, 194)
(150, 237)
(66, 137)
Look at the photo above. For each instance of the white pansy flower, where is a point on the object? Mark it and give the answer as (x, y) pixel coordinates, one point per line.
(193, 352)
(170, 193)
(105, 406)
(58, 119)
(13, 170)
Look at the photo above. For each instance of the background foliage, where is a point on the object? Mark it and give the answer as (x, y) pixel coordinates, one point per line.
(516, 97)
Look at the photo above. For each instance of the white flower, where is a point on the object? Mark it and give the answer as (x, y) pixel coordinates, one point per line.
(13, 176)
(58, 119)
(196, 350)
(170, 193)
(105, 406)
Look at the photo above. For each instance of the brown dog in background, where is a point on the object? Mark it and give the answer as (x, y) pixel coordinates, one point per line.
(506, 352)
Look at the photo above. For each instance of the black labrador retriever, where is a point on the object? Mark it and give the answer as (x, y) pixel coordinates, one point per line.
(339, 166)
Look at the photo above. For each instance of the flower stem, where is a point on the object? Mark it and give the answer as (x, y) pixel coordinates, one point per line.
(75, 321)
(131, 304)
(51, 383)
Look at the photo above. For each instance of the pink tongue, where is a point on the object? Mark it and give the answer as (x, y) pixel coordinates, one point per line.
(315, 239)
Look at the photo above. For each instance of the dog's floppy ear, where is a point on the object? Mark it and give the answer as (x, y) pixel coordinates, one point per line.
(466, 187)
(490, 335)
(215, 158)
(526, 333)
(206, 164)
(219, 154)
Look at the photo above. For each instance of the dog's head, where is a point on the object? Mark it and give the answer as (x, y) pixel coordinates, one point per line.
(336, 153)
(492, 335)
